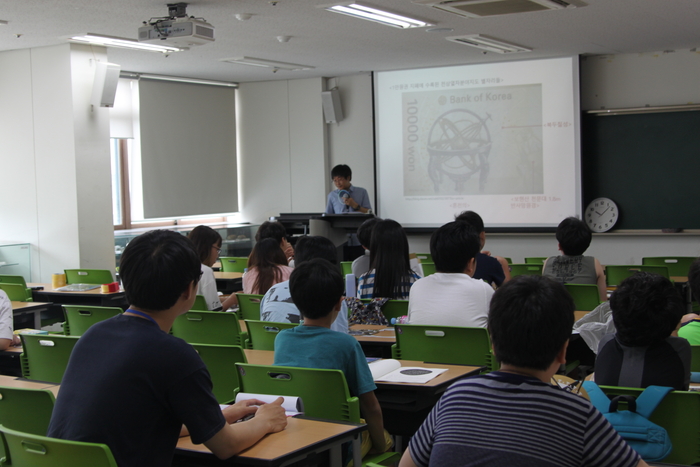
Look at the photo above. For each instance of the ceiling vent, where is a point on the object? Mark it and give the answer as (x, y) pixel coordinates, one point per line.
(485, 8)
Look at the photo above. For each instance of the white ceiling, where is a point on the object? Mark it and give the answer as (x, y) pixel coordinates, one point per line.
(339, 45)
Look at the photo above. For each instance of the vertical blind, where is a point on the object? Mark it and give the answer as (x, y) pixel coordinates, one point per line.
(188, 149)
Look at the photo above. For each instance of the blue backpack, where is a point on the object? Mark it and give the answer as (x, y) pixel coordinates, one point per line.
(649, 439)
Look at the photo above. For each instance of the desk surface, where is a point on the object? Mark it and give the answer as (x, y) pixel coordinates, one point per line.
(27, 306)
(48, 288)
(14, 382)
(227, 275)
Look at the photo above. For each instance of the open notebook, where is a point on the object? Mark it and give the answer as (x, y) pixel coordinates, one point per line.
(390, 370)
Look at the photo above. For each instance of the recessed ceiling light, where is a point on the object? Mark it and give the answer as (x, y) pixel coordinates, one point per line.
(439, 30)
(488, 44)
(121, 42)
(266, 63)
(376, 15)
(3, 22)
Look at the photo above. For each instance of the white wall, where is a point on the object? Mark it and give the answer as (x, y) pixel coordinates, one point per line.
(55, 157)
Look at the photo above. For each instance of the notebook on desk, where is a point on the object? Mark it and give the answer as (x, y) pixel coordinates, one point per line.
(78, 287)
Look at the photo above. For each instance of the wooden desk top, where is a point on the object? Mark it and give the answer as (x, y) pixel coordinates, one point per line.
(14, 382)
(260, 357)
(300, 434)
(48, 288)
(26, 306)
(227, 275)
(386, 334)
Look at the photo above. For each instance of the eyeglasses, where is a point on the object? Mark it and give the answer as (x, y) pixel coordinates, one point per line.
(218, 249)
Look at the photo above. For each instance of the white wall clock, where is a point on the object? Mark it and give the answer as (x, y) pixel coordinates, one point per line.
(601, 214)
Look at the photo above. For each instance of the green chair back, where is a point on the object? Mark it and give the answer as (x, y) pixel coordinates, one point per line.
(508, 260)
(586, 296)
(16, 292)
(346, 267)
(221, 363)
(249, 305)
(677, 265)
(200, 303)
(88, 276)
(209, 327)
(444, 344)
(395, 309)
(262, 334)
(678, 414)
(428, 269)
(425, 257)
(39, 451)
(27, 410)
(525, 269)
(16, 279)
(233, 263)
(45, 357)
(79, 318)
(614, 274)
(325, 393)
(535, 260)
(695, 358)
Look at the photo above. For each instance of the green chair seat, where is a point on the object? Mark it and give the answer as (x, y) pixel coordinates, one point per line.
(88, 276)
(79, 318)
(262, 334)
(209, 327)
(233, 263)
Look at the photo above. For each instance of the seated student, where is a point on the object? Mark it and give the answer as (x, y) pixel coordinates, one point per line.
(515, 416)
(572, 267)
(492, 269)
(267, 266)
(364, 235)
(277, 304)
(131, 385)
(451, 297)
(690, 327)
(207, 244)
(646, 310)
(7, 337)
(317, 290)
(274, 229)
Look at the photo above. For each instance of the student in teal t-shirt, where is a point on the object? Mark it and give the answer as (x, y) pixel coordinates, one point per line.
(317, 288)
(690, 323)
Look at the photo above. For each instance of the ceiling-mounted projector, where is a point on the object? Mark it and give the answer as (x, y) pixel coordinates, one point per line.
(177, 28)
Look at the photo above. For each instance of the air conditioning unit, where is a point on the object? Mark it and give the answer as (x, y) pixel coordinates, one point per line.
(485, 8)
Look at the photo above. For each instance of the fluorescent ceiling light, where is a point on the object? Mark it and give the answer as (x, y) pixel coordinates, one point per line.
(120, 42)
(376, 15)
(177, 79)
(487, 43)
(266, 63)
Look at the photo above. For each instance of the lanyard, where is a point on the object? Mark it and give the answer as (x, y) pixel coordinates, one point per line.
(142, 314)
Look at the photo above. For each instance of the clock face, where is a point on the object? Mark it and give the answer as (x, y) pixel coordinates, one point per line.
(601, 214)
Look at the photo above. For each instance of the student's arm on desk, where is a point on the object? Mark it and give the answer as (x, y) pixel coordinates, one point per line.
(232, 439)
(372, 413)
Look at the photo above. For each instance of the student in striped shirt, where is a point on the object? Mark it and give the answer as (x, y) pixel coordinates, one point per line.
(515, 416)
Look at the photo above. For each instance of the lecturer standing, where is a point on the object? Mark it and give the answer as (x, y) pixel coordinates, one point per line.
(346, 198)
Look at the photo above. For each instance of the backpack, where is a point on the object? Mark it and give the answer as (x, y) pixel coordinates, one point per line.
(370, 313)
(647, 438)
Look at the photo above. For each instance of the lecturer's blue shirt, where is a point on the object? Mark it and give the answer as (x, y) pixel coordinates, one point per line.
(336, 206)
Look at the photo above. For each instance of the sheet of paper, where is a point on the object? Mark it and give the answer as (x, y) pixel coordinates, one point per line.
(390, 370)
(292, 405)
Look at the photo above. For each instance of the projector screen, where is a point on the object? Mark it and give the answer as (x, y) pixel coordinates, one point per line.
(501, 139)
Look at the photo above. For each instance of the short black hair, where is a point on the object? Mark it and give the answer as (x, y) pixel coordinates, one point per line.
(574, 236)
(364, 231)
(694, 279)
(310, 247)
(646, 309)
(156, 268)
(453, 245)
(203, 238)
(530, 319)
(316, 286)
(471, 218)
(271, 229)
(341, 170)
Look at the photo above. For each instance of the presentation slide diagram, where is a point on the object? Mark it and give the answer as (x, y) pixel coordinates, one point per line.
(473, 141)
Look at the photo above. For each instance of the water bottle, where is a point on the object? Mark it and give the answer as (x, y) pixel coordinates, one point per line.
(400, 320)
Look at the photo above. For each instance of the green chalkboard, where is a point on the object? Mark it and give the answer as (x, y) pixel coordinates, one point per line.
(649, 164)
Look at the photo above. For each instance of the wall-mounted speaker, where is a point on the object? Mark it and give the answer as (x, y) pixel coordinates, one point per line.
(104, 88)
(332, 111)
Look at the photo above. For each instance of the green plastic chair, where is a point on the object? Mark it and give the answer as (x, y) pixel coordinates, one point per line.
(586, 296)
(695, 358)
(209, 327)
(677, 265)
(27, 449)
(428, 269)
(221, 363)
(16, 292)
(249, 305)
(17, 279)
(395, 309)
(79, 318)
(614, 274)
(27, 410)
(525, 270)
(678, 414)
(508, 260)
(200, 304)
(325, 393)
(88, 276)
(535, 260)
(233, 263)
(444, 344)
(425, 257)
(262, 334)
(346, 267)
(45, 357)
